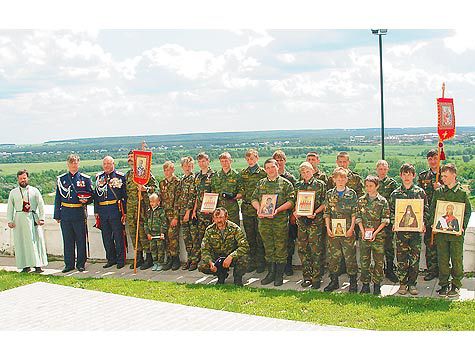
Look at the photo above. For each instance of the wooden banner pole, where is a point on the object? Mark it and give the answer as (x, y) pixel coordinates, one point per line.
(137, 231)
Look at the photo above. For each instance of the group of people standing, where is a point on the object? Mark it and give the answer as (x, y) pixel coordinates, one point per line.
(364, 210)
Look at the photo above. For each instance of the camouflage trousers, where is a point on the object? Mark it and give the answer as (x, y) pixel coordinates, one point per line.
(254, 239)
(309, 248)
(375, 272)
(431, 252)
(131, 228)
(171, 239)
(346, 247)
(197, 233)
(450, 252)
(187, 236)
(239, 265)
(388, 244)
(275, 237)
(157, 248)
(408, 253)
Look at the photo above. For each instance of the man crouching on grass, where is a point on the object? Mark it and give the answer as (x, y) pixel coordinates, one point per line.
(224, 245)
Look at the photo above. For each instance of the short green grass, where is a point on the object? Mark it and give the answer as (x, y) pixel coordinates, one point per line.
(348, 310)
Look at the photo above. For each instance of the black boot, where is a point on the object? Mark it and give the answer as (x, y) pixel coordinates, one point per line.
(333, 285)
(389, 272)
(353, 284)
(377, 289)
(365, 288)
(342, 267)
(261, 267)
(238, 279)
(148, 262)
(279, 274)
(175, 263)
(289, 271)
(222, 275)
(316, 284)
(270, 274)
(139, 260)
(167, 266)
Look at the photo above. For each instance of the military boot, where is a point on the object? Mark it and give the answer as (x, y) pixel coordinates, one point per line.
(238, 279)
(342, 267)
(261, 266)
(333, 285)
(222, 274)
(270, 274)
(175, 263)
(365, 288)
(288, 269)
(353, 284)
(377, 289)
(148, 262)
(389, 272)
(279, 274)
(139, 260)
(167, 266)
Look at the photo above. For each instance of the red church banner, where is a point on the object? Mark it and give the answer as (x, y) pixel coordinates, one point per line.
(142, 166)
(446, 121)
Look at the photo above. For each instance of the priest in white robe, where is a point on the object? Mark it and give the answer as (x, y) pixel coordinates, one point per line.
(25, 215)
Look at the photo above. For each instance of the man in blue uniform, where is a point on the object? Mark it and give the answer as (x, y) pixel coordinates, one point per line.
(109, 205)
(73, 193)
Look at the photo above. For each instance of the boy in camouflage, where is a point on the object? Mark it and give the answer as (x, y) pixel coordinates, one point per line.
(408, 243)
(340, 203)
(310, 228)
(155, 229)
(449, 246)
(372, 216)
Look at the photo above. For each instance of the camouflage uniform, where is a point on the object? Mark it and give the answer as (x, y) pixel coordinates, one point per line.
(426, 181)
(408, 244)
(385, 188)
(321, 175)
(249, 179)
(450, 247)
(227, 183)
(198, 227)
(354, 182)
(155, 225)
(275, 231)
(372, 213)
(310, 232)
(132, 207)
(341, 208)
(230, 241)
(168, 194)
(185, 200)
(292, 227)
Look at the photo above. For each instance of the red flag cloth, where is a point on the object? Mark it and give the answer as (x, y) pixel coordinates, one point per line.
(446, 118)
(142, 166)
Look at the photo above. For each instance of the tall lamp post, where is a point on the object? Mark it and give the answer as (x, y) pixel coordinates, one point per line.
(379, 33)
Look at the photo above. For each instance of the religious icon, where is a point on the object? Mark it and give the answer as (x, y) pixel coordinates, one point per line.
(409, 215)
(142, 166)
(210, 200)
(448, 217)
(339, 227)
(305, 205)
(268, 204)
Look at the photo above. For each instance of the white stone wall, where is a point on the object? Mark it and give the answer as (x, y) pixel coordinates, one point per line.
(54, 241)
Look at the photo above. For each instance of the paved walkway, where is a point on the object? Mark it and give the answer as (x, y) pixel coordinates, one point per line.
(49, 307)
(95, 270)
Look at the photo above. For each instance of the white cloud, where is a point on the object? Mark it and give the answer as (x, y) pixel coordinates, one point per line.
(462, 40)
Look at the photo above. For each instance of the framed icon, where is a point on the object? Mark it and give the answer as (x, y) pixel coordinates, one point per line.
(305, 205)
(339, 227)
(142, 166)
(210, 201)
(409, 215)
(448, 217)
(268, 204)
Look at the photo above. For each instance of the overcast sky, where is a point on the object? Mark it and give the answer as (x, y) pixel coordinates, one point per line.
(70, 84)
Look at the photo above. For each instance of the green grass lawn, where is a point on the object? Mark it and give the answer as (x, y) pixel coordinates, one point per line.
(349, 310)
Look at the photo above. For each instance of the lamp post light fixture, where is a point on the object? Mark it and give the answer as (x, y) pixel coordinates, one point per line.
(379, 33)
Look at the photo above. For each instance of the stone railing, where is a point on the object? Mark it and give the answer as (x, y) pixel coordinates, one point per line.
(54, 241)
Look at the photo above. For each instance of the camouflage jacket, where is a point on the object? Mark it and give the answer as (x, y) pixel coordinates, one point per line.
(168, 193)
(155, 221)
(414, 192)
(319, 174)
(372, 212)
(249, 182)
(280, 186)
(426, 181)
(319, 188)
(230, 241)
(132, 190)
(386, 187)
(456, 194)
(340, 208)
(202, 185)
(354, 182)
(226, 183)
(289, 176)
(185, 194)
